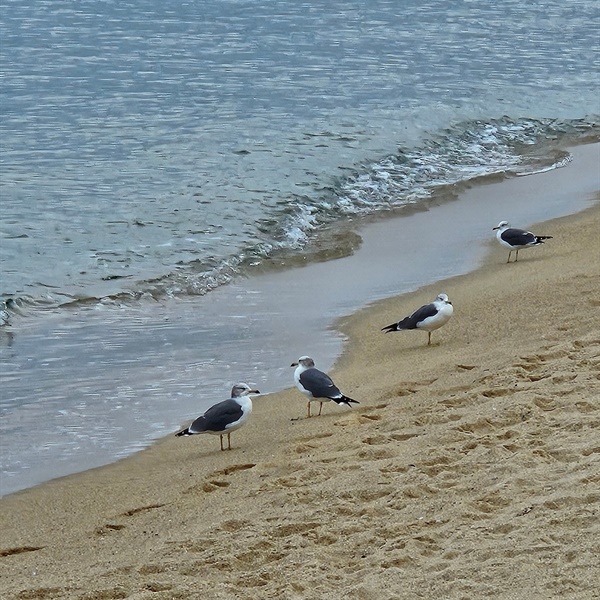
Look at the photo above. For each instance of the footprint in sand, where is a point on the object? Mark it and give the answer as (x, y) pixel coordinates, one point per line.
(110, 527)
(107, 528)
(152, 569)
(232, 525)
(104, 594)
(19, 550)
(234, 469)
(360, 416)
(49, 592)
(134, 511)
(215, 484)
(307, 444)
(375, 440)
(290, 529)
(215, 481)
(496, 392)
(491, 503)
(155, 586)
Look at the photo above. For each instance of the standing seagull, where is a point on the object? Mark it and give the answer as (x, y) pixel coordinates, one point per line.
(315, 384)
(224, 417)
(429, 317)
(515, 239)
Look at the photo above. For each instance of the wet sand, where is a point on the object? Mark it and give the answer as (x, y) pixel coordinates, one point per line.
(470, 469)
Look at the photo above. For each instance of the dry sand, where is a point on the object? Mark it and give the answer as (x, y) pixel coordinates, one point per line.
(470, 469)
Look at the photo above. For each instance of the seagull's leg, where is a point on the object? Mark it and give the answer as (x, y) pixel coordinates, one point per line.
(308, 407)
(229, 440)
(509, 253)
(221, 440)
(320, 408)
(429, 338)
(517, 256)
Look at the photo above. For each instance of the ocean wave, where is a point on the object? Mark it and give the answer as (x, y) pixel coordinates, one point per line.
(300, 228)
(458, 155)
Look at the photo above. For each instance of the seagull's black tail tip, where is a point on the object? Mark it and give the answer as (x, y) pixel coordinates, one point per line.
(390, 328)
(539, 239)
(186, 431)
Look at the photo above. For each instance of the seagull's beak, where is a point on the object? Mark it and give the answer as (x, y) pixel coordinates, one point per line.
(450, 303)
(253, 392)
(294, 364)
(494, 228)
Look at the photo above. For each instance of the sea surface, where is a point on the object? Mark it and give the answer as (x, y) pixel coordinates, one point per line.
(166, 168)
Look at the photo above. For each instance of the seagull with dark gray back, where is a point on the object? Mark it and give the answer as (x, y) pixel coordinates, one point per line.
(318, 386)
(224, 417)
(429, 317)
(517, 239)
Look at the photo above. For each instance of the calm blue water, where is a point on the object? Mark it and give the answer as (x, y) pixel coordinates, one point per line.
(151, 152)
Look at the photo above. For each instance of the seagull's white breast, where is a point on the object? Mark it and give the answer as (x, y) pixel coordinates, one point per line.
(442, 316)
(299, 370)
(246, 405)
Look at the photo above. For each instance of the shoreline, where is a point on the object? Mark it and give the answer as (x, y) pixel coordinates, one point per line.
(118, 368)
(469, 468)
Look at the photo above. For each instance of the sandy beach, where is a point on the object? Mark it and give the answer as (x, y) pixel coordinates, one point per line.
(470, 468)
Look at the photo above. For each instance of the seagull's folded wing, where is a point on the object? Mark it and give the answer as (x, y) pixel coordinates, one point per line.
(319, 384)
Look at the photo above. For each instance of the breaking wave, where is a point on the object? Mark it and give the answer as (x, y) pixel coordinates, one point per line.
(411, 177)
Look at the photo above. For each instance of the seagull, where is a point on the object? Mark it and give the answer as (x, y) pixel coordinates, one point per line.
(315, 384)
(224, 417)
(429, 317)
(515, 239)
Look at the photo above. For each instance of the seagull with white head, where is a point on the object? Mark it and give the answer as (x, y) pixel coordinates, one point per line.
(318, 386)
(517, 239)
(429, 317)
(224, 417)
